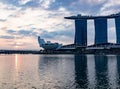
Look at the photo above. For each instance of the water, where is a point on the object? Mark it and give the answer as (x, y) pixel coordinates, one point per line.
(59, 71)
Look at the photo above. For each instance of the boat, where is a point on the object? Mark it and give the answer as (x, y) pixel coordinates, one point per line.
(48, 45)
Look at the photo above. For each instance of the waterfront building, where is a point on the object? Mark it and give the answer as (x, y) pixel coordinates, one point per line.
(81, 32)
(100, 30)
(117, 24)
(100, 23)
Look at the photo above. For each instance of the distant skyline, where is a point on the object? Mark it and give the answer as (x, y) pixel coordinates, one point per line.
(22, 21)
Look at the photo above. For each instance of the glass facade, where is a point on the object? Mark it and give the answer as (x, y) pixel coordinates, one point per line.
(100, 30)
(117, 23)
(81, 32)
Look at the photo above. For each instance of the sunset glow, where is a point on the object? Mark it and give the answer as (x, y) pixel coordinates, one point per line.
(16, 61)
(22, 21)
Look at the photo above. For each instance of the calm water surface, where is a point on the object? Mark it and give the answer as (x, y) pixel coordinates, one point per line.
(59, 71)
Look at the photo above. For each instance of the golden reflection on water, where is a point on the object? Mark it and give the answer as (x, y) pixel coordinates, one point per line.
(59, 71)
(16, 67)
(16, 61)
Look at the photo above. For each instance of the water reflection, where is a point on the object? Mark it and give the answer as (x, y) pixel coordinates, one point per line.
(81, 71)
(118, 70)
(16, 61)
(112, 71)
(56, 71)
(101, 69)
(97, 71)
(60, 71)
(91, 71)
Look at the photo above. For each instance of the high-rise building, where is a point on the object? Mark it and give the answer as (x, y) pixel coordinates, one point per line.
(81, 32)
(100, 30)
(100, 23)
(117, 24)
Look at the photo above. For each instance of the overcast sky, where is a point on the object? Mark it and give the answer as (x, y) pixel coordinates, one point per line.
(22, 21)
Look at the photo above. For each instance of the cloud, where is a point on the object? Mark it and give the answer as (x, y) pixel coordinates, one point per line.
(24, 32)
(53, 35)
(7, 10)
(3, 20)
(23, 20)
(73, 6)
(46, 3)
(27, 33)
(11, 31)
(23, 2)
(18, 44)
(93, 2)
(7, 37)
(67, 35)
(110, 7)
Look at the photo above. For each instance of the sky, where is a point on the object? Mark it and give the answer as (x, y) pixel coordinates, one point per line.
(22, 21)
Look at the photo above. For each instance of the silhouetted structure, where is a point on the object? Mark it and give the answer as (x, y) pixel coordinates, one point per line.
(117, 23)
(100, 30)
(81, 32)
(100, 23)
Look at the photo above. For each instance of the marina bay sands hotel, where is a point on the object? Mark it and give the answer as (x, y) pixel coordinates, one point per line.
(100, 23)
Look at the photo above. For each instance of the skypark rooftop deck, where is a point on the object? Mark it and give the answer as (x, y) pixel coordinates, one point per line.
(92, 17)
(100, 26)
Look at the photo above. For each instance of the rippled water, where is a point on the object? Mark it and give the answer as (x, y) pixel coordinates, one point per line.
(59, 71)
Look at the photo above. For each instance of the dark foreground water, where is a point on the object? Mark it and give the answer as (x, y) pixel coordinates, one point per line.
(59, 71)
